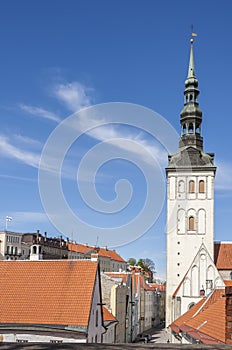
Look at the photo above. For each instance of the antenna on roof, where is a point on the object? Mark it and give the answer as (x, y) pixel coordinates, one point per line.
(97, 241)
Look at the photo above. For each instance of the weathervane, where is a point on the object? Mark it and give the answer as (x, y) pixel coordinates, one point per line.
(193, 34)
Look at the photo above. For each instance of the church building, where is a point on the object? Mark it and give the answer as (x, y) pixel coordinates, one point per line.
(191, 270)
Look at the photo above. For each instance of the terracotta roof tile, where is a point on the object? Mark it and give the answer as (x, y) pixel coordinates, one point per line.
(223, 255)
(211, 321)
(159, 287)
(228, 283)
(107, 316)
(46, 292)
(121, 275)
(187, 315)
(205, 320)
(84, 249)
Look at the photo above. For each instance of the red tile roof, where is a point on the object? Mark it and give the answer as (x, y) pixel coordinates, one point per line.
(159, 287)
(107, 316)
(121, 275)
(205, 321)
(47, 292)
(104, 252)
(223, 255)
(228, 283)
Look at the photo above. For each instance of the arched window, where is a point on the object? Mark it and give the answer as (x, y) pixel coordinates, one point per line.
(34, 249)
(201, 186)
(190, 130)
(16, 250)
(191, 223)
(191, 305)
(191, 186)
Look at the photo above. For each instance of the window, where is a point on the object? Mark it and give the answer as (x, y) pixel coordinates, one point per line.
(191, 223)
(201, 186)
(16, 250)
(231, 275)
(96, 319)
(191, 186)
(191, 305)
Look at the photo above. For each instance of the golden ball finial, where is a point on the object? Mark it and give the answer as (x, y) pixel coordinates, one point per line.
(191, 40)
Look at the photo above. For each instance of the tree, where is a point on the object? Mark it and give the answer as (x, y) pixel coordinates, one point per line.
(149, 264)
(132, 261)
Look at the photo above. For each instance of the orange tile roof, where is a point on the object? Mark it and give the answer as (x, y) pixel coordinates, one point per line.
(228, 283)
(187, 315)
(211, 320)
(107, 316)
(47, 292)
(223, 255)
(84, 249)
(79, 248)
(121, 275)
(205, 320)
(111, 254)
(160, 287)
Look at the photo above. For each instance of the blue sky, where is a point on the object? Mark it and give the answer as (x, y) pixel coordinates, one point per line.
(60, 56)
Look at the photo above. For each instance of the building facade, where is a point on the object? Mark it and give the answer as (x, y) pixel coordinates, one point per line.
(190, 200)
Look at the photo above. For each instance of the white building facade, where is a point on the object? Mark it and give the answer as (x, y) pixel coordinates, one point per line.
(190, 201)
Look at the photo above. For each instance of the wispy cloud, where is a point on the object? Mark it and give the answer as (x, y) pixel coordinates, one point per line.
(26, 141)
(40, 112)
(74, 95)
(7, 149)
(21, 178)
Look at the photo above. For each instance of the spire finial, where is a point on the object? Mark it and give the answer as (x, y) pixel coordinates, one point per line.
(191, 70)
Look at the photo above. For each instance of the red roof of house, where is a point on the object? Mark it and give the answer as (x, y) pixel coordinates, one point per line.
(121, 275)
(107, 316)
(159, 287)
(205, 320)
(47, 292)
(104, 252)
(223, 255)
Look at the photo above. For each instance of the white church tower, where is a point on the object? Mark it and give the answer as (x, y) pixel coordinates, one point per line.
(190, 203)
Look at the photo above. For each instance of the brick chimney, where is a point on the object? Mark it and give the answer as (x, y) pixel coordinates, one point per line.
(228, 315)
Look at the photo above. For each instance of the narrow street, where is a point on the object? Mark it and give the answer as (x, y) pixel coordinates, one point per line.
(157, 334)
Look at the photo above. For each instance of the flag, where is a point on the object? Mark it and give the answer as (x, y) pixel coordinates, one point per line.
(194, 34)
(8, 218)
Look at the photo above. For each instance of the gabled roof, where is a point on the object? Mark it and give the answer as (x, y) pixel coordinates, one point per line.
(205, 321)
(53, 292)
(223, 255)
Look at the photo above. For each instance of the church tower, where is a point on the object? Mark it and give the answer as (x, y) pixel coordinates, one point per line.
(190, 195)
